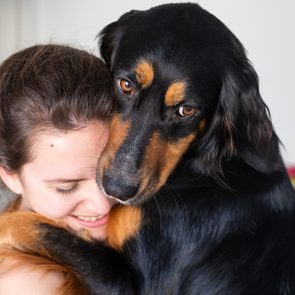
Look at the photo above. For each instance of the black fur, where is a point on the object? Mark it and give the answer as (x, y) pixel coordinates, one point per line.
(224, 221)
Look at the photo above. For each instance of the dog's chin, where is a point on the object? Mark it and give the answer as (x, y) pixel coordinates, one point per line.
(134, 201)
(118, 201)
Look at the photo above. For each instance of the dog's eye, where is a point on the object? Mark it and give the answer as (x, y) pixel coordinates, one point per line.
(186, 110)
(125, 86)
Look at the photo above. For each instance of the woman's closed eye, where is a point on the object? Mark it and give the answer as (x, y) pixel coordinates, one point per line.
(67, 188)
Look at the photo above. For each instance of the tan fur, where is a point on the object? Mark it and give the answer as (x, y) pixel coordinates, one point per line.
(202, 126)
(19, 242)
(18, 229)
(118, 132)
(174, 151)
(175, 93)
(125, 222)
(144, 73)
(161, 158)
(71, 284)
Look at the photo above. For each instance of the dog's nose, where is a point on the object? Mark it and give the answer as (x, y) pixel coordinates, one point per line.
(117, 188)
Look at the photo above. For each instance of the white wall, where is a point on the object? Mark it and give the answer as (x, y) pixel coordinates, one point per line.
(265, 27)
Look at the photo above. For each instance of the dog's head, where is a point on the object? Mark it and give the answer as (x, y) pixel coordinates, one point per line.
(182, 81)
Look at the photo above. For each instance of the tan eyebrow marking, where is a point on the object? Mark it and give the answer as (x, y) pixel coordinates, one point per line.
(175, 93)
(144, 73)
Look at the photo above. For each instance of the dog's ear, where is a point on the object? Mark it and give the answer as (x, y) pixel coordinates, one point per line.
(241, 125)
(111, 35)
(109, 39)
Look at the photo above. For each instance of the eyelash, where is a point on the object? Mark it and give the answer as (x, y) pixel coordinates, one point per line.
(67, 191)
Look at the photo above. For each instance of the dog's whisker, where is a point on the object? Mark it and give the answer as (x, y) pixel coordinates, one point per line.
(159, 211)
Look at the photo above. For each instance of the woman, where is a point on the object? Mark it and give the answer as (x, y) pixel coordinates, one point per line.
(55, 102)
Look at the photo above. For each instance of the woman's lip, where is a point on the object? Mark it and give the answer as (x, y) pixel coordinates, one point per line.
(92, 224)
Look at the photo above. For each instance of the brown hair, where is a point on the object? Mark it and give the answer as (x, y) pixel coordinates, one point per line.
(50, 86)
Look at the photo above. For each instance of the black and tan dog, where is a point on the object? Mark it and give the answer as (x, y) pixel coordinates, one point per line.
(206, 203)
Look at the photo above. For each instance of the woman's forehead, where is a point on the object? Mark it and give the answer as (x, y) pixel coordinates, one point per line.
(67, 150)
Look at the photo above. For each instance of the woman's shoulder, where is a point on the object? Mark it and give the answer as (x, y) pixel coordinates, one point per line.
(25, 279)
(8, 200)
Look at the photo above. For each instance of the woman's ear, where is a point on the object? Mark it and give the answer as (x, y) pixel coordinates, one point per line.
(11, 180)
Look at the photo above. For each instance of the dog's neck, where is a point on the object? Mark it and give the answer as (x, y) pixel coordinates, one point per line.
(235, 177)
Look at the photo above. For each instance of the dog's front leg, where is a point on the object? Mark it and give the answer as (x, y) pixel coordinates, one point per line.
(20, 230)
(102, 269)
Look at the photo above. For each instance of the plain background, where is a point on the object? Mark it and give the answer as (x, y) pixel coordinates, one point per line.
(265, 27)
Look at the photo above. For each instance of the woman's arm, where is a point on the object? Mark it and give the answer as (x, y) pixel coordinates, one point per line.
(27, 280)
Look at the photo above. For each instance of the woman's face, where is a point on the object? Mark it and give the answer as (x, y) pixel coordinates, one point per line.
(60, 181)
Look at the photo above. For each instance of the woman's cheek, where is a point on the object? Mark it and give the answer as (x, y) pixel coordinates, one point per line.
(55, 209)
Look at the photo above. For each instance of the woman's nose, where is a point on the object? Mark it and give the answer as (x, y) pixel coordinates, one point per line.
(98, 201)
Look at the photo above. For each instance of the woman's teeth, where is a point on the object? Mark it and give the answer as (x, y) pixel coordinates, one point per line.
(89, 218)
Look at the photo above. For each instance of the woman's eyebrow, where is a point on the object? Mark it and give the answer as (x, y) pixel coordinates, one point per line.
(63, 180)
